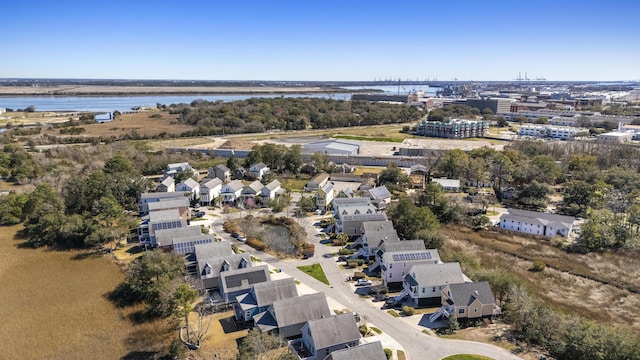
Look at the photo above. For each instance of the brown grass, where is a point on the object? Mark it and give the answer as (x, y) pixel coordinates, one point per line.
(54, 306)
(567, 283)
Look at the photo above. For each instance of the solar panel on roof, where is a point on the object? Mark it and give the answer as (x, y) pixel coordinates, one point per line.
(412, 256)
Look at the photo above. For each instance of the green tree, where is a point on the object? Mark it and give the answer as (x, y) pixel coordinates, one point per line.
(118, 164)
(233, 163)
(293, 159)
(453, 163)
(408, 218)
(534, 196)
(306, 204)
(432, 239)
(393, 177)
(11, 208)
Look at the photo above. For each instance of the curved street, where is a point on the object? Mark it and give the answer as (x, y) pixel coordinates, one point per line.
(416, 344)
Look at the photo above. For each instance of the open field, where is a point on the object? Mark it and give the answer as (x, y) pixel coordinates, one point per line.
(54, 306)
(594, 285)
(69, 90)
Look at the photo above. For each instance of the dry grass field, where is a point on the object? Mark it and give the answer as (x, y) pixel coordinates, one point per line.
(592, 285)
(54, 307)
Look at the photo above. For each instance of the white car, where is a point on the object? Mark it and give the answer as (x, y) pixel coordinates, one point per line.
(363, 282)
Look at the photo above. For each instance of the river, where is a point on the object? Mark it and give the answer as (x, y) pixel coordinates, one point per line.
(125, 103)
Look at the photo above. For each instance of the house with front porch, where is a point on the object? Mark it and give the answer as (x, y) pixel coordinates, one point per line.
(537, 223)
(147, 198)
(231, 192)
(251, 193)
(380, 196)
(173, 169)
(219, 172)
(270, 191)
(209, 269)
(324, 197)
(472, 300)
(262, 296)
(258, 170)
(423, 283)
(209, 191)
(191, 186)
(168, 184)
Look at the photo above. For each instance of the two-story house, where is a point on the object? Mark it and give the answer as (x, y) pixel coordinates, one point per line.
(321, 337)
(231, 192)
(472, 300)
(173, 169)
(147, 198)
(262, 296)
(396, 264)
(191, 186)
(209, 191)
(324, 197)
(424, 283)
(537, 223)
(380, 196)
(219, 172)
(270, 191)
(235, 282)
(286, 317)
(168, 184)
(251, 193)
(158, 220)
(370, 351)
(258, 170)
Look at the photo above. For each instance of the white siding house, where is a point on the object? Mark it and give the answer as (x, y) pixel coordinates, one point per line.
(537, 223)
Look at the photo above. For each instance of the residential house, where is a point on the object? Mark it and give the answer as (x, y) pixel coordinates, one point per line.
(202, 252)
(380, 196)
(270, 191)
(190, 185)
(231, 192)
(537, 223)
(187, 237)
(239, 173)
(370, 351)
(452, 185)
(322, 336)
(472, 300)
(396, 264)
(181, 203)
(338, 203)
(258, 170)
(419, 169)
(367, 183)
(210, 269)
(210, 190)
(262, 296)
(236, 282)
(173, 169)
(250, 194)
(317, 182)
(147, 198)
(286, 317)
(392, 245)
(373, 233)
(352, 224)
(159, 220)
(324, 196)
(424, 282)
(166, 185)
(219, 172)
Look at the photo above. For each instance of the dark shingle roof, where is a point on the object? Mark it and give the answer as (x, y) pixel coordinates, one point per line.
(239, 279)
(300, 309)
(371, 351)
(436, 274)
(466, 293)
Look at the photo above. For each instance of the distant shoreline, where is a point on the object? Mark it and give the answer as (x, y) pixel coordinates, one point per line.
(105, 90)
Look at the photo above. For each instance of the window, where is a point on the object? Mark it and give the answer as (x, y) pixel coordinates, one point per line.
(461, 311)
(434, 289)
(475, 310)
(390, 266)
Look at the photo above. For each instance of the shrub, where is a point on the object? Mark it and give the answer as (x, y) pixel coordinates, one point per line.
(344, 252)
(352, 264)
(230, 227)
(408, 310)
(358, 275)
(388, 352)
(363, 329)
(256, 244)
(538, 265)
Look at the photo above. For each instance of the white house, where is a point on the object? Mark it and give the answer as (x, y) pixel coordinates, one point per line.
(173, 169)
(190, 185)
(210, 190)
(424, 282)
(537, 223)
(324, 197)
(166, 185)
(448, 184)
(396, 264)
(231, 191)
(380, 196)
(258, 170)
(271, 190)
(317, 182)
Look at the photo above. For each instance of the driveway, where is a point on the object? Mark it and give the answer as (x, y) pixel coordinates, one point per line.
(416, 344)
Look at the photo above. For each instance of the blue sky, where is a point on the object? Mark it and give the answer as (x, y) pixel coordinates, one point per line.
(320, 40)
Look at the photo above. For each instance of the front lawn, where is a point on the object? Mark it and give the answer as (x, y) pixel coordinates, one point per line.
(316, 272)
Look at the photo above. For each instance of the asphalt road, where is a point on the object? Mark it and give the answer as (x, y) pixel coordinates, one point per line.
(416, 344)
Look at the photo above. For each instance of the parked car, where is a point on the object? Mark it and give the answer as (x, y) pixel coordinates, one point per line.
(363, 282)
(242, 238)
(391, 302)
(380, 297)
(327, 255)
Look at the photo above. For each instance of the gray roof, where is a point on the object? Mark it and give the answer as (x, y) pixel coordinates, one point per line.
(327, 188)
(165, 237)
(168, 181)
(429, 255)
(300, 309)
(371, 351)
(419, 168)
(321, 177)
(364, 217)
(435, 274)
(254, 187)
(354, 209)
(217, 264)
(178, 166)
(221, 167)
(169, 203)
(235, 185)
(273, 185)
(403, 246)
(213, 250)
(377, 226)
(190, 183)
(333, 330)
(164, 215)
(339, 202)
(241, 279)
(156, 196)
(258, 166)
(266, 293)
(380, 192)
(332, 146)
(374, 238)
(466, 293)
(539, 218)
(210, 183)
